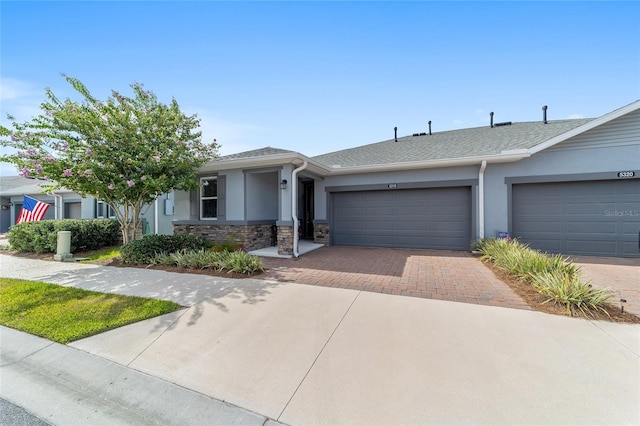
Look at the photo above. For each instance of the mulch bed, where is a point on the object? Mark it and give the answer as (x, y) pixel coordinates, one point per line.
(526, 291)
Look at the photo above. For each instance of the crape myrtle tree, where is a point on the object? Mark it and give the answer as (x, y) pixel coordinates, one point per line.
(125, 151)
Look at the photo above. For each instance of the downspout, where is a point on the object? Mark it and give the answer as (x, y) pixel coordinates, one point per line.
(58, 205)
(155, 216)
(483, 166)
(294, 205)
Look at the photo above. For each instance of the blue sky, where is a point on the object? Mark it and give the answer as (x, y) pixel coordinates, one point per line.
(317, 77)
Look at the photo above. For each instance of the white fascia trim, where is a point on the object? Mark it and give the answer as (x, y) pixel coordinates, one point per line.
(265, 160)
(587, 126)
(431, 164)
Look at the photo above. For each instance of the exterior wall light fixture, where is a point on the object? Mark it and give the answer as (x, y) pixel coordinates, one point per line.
(283, 184)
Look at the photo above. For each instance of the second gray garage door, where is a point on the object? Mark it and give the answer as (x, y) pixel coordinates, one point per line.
(435, 218)
(584, 218)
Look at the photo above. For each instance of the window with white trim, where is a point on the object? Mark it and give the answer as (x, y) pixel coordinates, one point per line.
(209, 198)
(104, 210)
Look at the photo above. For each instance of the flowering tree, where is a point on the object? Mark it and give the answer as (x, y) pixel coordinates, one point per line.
(125, 151)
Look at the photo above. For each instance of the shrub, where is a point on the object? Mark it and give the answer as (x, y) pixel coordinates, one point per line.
(522, 261)
(236, 261)
(571, 292)
(553, 276)
(229, 244)
(42, 236)
(146, 248)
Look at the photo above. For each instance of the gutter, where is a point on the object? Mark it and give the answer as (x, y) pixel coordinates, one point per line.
(294, 205)
(483, 166)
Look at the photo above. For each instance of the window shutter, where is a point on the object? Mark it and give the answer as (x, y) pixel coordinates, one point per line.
(222, 197)
(194, 208)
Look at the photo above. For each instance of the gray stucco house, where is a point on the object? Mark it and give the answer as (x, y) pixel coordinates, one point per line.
(66, 204)
(563, 186)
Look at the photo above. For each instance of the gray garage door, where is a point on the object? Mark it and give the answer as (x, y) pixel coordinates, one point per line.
(437, 218)
(599, 218)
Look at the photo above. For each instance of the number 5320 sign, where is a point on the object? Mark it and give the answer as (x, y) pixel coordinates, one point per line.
(626, 174)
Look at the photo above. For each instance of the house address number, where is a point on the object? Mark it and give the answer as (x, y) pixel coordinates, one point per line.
(626, 174)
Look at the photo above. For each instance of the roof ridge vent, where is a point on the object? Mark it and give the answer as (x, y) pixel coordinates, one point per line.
(505, 123)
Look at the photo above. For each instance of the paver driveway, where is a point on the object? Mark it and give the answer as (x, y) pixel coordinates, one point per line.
(433, 274)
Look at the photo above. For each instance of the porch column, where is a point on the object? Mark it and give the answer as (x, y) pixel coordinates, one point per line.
(285, 223)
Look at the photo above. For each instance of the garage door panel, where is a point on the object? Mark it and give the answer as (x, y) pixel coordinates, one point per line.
(594, 218)
(531, 209)
(417, 218)
(593, 228)
(538, 227)
(588, 208)
(590, 246)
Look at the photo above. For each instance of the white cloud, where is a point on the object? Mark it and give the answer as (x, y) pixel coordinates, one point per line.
(234, 136)
(20, 98)
(12, 88)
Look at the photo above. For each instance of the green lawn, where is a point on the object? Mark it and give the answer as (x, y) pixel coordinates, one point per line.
(65, 314)
(103, 254)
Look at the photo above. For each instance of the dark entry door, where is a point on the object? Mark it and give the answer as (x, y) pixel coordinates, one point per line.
(307, 219)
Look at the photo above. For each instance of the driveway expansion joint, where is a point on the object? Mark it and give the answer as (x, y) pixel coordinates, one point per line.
(319, 353)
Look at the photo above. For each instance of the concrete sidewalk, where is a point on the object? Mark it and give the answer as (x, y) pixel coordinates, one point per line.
(252, 351)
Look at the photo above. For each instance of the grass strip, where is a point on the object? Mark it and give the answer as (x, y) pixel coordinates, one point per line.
(65, 314)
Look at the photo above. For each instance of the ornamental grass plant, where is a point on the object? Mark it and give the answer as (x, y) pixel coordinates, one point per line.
(555, 277)
(571, 292)
(233, 261)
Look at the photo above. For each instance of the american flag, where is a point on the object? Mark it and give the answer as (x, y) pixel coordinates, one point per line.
(32, 210)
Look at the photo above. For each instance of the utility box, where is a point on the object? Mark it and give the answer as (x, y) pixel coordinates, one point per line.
(63, 247)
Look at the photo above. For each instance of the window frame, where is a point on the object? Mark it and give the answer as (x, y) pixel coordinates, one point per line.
(101, 205)
(202, 198)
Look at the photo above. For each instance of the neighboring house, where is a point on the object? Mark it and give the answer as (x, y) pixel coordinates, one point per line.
(66, 204)
(567, 186)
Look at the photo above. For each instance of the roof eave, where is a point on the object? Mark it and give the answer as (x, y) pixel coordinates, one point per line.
(265, 161)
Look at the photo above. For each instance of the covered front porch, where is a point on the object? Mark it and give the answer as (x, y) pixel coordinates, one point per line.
(262, 200)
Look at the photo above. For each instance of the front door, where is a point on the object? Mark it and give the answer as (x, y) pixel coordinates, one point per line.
(307, 214)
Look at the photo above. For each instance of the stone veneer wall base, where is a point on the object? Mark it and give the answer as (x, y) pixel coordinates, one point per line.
(252, 237)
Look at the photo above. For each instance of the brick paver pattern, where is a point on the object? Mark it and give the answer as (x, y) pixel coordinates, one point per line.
(433, 274)
(620, 275)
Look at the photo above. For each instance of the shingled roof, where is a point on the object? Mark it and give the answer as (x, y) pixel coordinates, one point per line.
(260, 152)
(453, 144)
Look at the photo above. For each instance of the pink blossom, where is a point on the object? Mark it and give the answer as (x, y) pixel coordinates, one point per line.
(130, 183)
(49, 159)
(157, 158)
(88, 152)
(14, 139)
(67, 172)
(25, 172)
(143, 178)
(88, 172)
(38, 170)
(111, 186)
